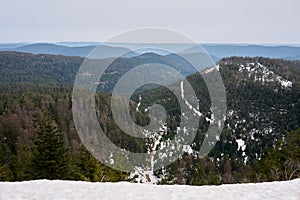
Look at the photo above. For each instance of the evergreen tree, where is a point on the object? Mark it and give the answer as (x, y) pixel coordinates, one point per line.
(89, 167)
(283, 161)
(50, 158)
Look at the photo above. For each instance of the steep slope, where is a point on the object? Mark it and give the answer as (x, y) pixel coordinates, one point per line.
(262, 103)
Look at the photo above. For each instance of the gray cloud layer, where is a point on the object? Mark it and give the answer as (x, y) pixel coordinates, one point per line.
(244, 21)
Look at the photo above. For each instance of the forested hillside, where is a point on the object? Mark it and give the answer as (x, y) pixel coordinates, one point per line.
(29, 71)
(260, 140)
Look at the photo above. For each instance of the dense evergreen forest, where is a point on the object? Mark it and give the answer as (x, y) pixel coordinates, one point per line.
(38, 139)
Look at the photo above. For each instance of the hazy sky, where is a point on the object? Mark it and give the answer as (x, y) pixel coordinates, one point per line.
(228, 21)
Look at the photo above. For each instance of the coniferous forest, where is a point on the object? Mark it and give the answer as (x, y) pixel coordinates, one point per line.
(38, 139)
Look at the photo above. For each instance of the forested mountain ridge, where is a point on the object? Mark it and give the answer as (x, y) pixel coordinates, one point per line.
(25, 68)
(262, 100)
(53, 70)
(262, 103)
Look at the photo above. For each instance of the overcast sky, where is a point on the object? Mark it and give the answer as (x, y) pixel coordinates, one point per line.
(209, 21)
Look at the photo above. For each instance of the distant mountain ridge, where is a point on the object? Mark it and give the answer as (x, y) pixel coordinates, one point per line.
(216, 51)
(54, 49)
(222, 51)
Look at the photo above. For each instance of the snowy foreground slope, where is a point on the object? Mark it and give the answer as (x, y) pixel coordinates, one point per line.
(44, 189)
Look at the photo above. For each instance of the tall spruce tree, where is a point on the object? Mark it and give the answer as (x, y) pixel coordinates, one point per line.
(50, 158)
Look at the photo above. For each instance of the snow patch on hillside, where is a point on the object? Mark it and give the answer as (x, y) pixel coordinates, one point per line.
(139, 103)
(142, 176)
(57, 189)
(262, 74)
(211, 69)
(241, 145)
(187, 103)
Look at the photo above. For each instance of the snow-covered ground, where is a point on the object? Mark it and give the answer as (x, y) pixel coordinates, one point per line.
(263, 74)
(45, 189)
